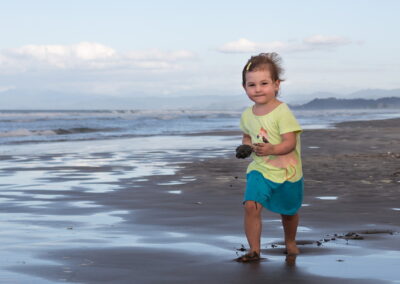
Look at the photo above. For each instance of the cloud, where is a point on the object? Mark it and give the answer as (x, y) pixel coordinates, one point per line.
(81, 51)
(321, 40)
(6, 88)
(311, 43)
(245, 45)
(242, 45)
(86, 56)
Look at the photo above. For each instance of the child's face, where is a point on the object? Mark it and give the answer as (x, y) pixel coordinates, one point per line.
(260, 88)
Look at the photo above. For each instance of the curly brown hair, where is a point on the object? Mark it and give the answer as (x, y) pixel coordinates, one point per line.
(264, 61)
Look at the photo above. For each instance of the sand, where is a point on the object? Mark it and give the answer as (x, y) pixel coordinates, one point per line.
(187, 227)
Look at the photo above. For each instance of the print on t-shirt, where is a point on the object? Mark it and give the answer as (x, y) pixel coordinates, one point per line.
(287, 162)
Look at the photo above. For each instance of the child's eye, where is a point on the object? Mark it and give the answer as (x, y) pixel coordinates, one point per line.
(250, 85)
(265, 83)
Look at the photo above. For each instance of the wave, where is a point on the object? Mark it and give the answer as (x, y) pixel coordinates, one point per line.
(25, 132)
(59, 131)
(104, 115)
(56, 139)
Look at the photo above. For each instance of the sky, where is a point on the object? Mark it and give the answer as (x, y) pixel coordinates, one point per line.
(128, 49)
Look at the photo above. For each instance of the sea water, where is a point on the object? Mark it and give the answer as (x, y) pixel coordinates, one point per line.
(26, 126)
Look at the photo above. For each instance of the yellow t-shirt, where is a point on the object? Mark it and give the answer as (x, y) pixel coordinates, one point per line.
(277, 168)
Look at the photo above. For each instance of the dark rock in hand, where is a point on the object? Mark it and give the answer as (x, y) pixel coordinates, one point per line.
(243, 151)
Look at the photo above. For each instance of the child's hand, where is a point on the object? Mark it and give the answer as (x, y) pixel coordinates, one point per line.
(263, 149)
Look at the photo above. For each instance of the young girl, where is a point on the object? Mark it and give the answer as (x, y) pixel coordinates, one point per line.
(274, 177)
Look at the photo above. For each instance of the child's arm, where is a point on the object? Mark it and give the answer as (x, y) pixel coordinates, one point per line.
(246, 139)
(287, 145)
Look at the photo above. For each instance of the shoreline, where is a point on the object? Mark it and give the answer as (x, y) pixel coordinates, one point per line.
(186, 225)
(27, 132)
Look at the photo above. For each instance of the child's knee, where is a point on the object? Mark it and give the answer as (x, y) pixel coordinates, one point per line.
(289, 217)
(252, 207)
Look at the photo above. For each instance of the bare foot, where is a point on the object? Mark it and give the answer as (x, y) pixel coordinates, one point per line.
(291, 259)
(291, 248)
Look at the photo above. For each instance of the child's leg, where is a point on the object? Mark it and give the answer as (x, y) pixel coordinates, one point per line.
(253, 224)
(290, 224)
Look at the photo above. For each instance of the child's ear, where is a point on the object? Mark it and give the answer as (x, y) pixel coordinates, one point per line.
(277, 84)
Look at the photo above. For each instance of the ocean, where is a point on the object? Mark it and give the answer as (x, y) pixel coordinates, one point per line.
(31, 126)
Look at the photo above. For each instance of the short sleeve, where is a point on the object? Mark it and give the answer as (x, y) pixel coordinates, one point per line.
(287, 122)
(243, 123)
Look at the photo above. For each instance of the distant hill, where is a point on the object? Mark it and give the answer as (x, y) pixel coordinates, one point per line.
(335, 103)
(298, 99)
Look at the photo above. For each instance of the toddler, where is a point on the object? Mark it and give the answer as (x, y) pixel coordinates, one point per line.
(271, 135)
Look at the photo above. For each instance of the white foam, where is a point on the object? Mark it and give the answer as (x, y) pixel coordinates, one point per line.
(84, 204)
(188, 179)
(17, 132)
(170, 183)
(270, 221)
(5, 200)
(176, 235)
(303, 229)
(327, 197)
(300, 229)
(26, 132)
(175, 191)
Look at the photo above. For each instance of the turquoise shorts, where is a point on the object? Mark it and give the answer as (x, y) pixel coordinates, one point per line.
(283, 198)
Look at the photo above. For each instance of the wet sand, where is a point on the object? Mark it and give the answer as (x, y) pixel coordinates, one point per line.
(187, 226)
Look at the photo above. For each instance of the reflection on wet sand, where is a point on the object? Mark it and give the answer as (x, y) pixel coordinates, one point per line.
(110, 211)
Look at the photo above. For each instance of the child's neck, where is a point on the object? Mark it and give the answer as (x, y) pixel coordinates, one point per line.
(263, 109)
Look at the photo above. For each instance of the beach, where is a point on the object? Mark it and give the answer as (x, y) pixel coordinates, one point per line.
(117, 211)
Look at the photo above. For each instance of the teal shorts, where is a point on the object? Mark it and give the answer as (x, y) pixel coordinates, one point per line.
(283, 198)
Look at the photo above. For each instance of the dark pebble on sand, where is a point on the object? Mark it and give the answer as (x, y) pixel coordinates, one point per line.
(368, 232)
(241, 249)
(351, 236)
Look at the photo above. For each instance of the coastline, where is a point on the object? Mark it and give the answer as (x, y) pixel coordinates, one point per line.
(187, 226)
